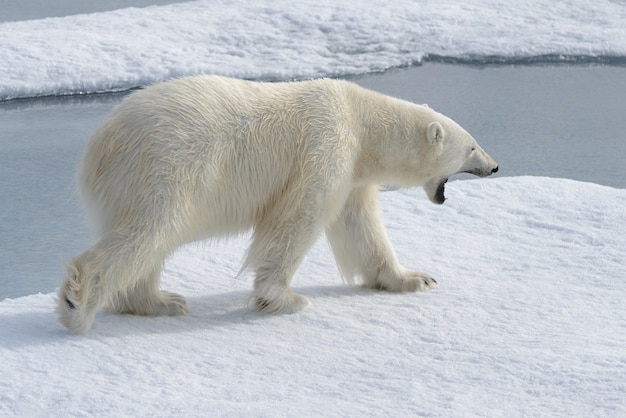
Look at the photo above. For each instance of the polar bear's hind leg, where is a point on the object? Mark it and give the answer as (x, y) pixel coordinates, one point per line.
(280, 243)
(145, 298)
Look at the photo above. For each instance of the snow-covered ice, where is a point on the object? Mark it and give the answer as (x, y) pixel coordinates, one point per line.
(283, 39)
(528, 320)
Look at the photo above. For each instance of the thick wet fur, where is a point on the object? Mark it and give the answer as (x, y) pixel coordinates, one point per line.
(210, 156)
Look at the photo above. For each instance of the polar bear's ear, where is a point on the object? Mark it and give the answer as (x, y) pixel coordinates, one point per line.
(435, 132)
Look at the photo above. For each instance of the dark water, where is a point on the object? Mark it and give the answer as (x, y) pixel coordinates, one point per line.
(545, 121)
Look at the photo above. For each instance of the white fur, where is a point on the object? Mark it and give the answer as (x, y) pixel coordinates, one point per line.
(209, 156)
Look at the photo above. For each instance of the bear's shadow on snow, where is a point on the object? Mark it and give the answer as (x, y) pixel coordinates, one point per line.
(29, 329)
(215, 311)
(205, 312)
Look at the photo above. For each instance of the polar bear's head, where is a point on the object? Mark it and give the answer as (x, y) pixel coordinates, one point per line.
(452, 150)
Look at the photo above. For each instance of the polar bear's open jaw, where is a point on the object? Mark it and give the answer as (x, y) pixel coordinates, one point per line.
(436, 191)
(440, 197)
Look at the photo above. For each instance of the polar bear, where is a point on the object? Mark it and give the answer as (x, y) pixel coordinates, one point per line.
(210, 156)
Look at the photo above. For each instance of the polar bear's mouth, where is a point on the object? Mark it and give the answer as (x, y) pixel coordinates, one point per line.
(439, 196)
(436, 190)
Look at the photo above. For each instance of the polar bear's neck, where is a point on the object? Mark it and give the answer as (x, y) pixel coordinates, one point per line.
(391, 133)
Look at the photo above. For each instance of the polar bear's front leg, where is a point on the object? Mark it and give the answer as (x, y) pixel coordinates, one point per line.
(362, 248)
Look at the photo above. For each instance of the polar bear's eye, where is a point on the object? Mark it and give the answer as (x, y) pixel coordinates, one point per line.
(473, 148)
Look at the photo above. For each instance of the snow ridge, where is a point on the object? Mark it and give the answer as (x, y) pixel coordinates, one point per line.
(283, 40)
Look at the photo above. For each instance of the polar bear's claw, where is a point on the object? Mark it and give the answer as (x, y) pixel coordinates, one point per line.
(285, 304)
(172, 304)
(415, 281)
(70, 305)
(409, 281)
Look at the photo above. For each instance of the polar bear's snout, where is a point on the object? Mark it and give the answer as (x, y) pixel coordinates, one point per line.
(481, 164)
(483, 172)
(491, 170)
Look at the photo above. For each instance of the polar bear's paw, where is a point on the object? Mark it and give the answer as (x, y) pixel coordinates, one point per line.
(171, 304)
(77, 299)
(285, 302)
(76, 318)
(408, 281)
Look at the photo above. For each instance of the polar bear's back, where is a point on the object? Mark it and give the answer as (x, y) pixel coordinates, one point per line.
(203, 149)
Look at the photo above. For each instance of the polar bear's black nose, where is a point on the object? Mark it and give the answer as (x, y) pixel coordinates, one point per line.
(495, 170)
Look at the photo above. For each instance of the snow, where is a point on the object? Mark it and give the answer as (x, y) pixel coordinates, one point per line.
(283, 39)
(528, 320)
